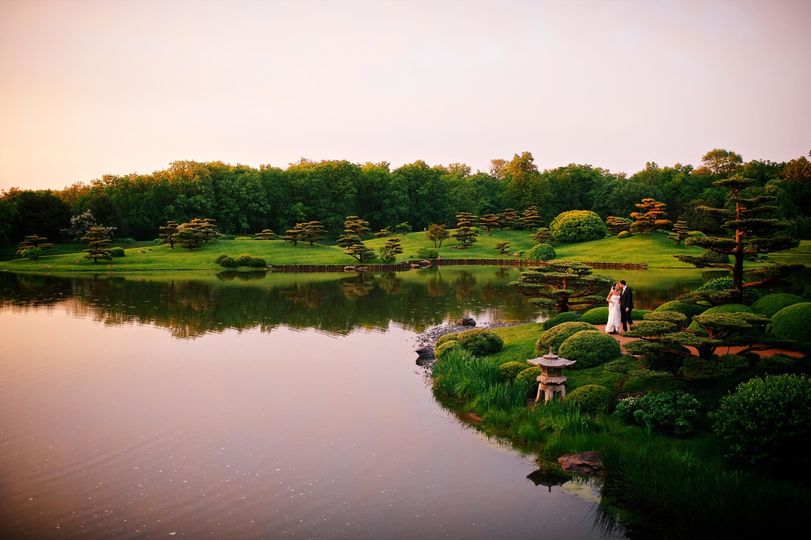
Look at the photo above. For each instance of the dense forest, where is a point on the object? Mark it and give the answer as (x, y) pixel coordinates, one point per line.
(245, 200)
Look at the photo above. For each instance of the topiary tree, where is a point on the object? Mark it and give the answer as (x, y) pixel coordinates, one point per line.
(436, 233)
(509, 218)
(680, 233)
(503, 247)
(360, 252)
(465, 233)
(488, 222)
(591, 399)
(562, 286)
(98, 244)
(754, 230)
(353, 225)
(589, 348)
(32, 246)
(686, 308)
(793, 324)
(650, 216)
(312, 231)
(530, 219)
(577, 226)
(655, 347)
(552, 338)
(597, 315)
(443, 348)
(541, 235)
(388, 253)
(80, 224)
(767, 419)
(720, 291)
(189, 235)
(383, 233)
(167, 232)
(351, 239)
(295, 234)
(266, 234)
(617, 224)
(542, 252)
(728, 329)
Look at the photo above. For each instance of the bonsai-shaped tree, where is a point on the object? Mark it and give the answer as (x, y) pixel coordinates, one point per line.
(465, 234)
(436, 233)
(312, 231)
(207, 227)
(650, 217)
(190, 235)
(617, 224)
(503, 247)
(98, 244)
(530, 219)
(489, 222)
(167, 233)
(295, 234)
(508, 218)
(563, 286)
(680, 232)
(351, 239)
(390, 250)
(359, 251)
(541, 235)
(383, 233)
(266, 234)
(753, 229)
(33, 242)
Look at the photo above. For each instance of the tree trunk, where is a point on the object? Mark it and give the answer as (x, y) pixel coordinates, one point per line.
(737, 269)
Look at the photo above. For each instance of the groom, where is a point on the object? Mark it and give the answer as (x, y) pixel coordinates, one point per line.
(626, 305)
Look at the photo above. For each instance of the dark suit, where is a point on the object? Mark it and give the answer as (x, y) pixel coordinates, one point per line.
(626, 307)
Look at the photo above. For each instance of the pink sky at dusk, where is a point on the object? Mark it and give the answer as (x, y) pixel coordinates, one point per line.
(112, 87)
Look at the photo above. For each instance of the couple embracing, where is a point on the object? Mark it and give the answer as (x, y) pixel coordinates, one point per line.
(620, 305)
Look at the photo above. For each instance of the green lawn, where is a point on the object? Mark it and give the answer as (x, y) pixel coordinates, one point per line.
(653, 249)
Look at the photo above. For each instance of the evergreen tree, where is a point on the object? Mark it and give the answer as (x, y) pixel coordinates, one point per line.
(436, 233)
(266, 234)
(402, 228)
(680, 232)
(390, 250)
(541, 235)
(190, 235)
(359, 251)
(617, 224)
(312, 231)
(383, 233)
(352, 238)
(98, 242)
(295, 234)
(165, 232)
(357, 226)
(753, 231)
(33, 241)
(465, 234)
(503, 247)
(650, 217)
(489, 222)
(563, 286)
(508, 218)
(530, 219)
(208, 228)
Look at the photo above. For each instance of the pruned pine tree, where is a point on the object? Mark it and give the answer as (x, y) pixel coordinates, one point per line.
(33, 241)
(352, 239)
(295, 234)
(383, 233)
(465, 234)
(208, 228)
(98, 244)
(390, 250)
(360, 251)
(563, 286)
(167, 233)
(617, 224)
(680, 232)
(503, 247)
(436, 233)
(489, 222)
(650, 217)
(312, 231)
(508, 218)
(530, 219)
(754, 231)
(541, 235)
(266, 234)
(190, 235)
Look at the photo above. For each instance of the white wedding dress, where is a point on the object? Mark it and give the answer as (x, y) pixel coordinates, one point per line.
(614, 323)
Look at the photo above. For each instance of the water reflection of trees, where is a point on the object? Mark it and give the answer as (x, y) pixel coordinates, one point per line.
(191, 308)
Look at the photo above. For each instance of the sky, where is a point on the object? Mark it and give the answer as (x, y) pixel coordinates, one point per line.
(89, 88)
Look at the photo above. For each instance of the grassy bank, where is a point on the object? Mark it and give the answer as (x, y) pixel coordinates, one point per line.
(671, 486)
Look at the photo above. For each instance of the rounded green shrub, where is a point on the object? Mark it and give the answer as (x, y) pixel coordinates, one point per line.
(577, 226)
(767, 419)
(598, 315)
(220, 258)
(542, 252)
(32, 253)
(244, 260)
(258, 262)
(560, 318)
(723, 308)
(228, 262)
(592, 399)
(509, 370)
(447, 337)
(529, 377)
(669, 412)
(625, 234)
(427, 253)
(793, 323)
(589, 348)
(772, 303)
(445, 346)
(690, 310)
(638, 314)
(117, 251)
(558, 334)
(481, 342)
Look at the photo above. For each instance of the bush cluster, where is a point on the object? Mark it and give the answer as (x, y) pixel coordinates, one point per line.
(242, 260)
(669, 412)
(445, 346)
(560, 318)
(427, 253)
(117, 251)
(558, 334)
(589, 348)
(529, 377)
(592, 399)
(542, 252)
(577, 226)
(767, 419)
(481, 342)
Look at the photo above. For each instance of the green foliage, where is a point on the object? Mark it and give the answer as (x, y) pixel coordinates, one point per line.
(402, 228)
(556, 335)
(226, 262)
(682, 307)
(460, 374)
(598, 315)
(562, 285)
(793, 323)
(480, 342)
(166, 232)
(723, 308)
(445, 346)
(529, 377)
(31, 253)
(390, 250)
(117, 251)
(244, 260)
(589, 348)
(618, 225)
(220, 258)
(465, 232)
(726, 285)
(98, 242)
(591, 399)
(770, 304)
(437, 233)
(33, 242)
(266, 234)
(542, 252)
(767, 419)
(509, 370)
(560, 318)
(577, 226)
(625, 234)
(447, 337)
(427, 253)
(541, 235)
(672, 413)
(699, 369)
(503, 247)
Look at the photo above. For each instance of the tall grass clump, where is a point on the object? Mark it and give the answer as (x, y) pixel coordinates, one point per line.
(460, 374)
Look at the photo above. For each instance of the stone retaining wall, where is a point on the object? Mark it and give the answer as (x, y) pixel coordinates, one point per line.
(402, 266)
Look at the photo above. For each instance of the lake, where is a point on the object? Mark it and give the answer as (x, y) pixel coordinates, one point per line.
(253, 405)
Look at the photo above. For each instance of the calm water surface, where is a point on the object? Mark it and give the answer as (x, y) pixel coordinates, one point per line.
(269, 407)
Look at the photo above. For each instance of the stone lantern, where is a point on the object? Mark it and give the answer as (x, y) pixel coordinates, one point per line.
(551, 380)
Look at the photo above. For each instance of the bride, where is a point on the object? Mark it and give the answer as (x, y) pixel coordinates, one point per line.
(614, 324)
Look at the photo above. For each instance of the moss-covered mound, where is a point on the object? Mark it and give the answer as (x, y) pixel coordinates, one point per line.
(772, 303)
(598, 315)
(558, 334)
(589, 348)
(793, 323)
(592, 399)
(560, 318)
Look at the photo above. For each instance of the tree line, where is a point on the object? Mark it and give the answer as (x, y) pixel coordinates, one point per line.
(248, 200)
